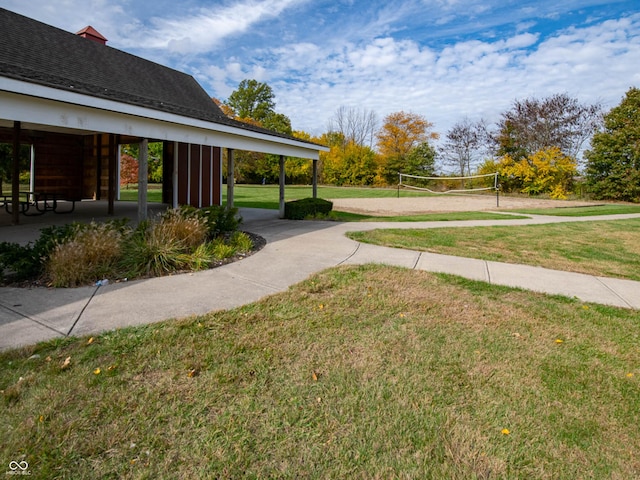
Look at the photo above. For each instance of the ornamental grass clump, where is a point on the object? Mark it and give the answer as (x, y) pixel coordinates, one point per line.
(180, 239)
(176, 241)
(242, 242)
(183, 226)
(91, 253)
(153, 251)
(222, 250)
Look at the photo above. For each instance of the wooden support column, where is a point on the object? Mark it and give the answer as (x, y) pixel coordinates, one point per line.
(143, 175)
(112, 168)
(230, 177)
(175, 178)
(282, 177)
(15, 178)
(97, 138)
(315, 178)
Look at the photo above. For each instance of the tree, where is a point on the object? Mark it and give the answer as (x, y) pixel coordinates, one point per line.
(355, 125)
(278, 122)
(533, 125)
(252, 99)
(6, 161)
(348, 164)
(154, 155)
(401, 132)
(128, 170)
(613, 163)
(547, 171)
(253, 102)
(421, 160)
(464, 144)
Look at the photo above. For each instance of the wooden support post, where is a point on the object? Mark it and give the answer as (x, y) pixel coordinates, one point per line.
(111, 182)
(315, 178)
(230, 177)
(97, 138)
(143, 175)
(15, 179)
(282, 177)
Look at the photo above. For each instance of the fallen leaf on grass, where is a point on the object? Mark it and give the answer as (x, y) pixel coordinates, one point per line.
(66, 363)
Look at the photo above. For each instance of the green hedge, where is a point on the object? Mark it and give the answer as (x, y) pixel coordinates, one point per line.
(301, 209)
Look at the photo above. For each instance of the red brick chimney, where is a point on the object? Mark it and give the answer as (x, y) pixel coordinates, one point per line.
(92, 34)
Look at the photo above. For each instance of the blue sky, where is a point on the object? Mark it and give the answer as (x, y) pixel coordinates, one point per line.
(444, 59)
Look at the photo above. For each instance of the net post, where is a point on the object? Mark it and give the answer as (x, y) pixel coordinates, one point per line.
(399, 182)
(497, 186)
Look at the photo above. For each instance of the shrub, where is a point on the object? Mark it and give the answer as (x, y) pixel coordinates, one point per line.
(182, 225)
(201, 258)
(18, 263)
(220, 220)
(222, 250)
(152, 250)
(300, 209)
(77, 254)
(242, 242)
(91, 253)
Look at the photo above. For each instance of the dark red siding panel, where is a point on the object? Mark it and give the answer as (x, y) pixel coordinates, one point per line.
(199, 175)
(194, 176)
(206, 175)
(167, 172)
(183, 171)
(217, 175)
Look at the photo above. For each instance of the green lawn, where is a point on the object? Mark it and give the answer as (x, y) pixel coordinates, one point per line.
(358, 372)
(604, 248)
(267, 196)
(605, 209)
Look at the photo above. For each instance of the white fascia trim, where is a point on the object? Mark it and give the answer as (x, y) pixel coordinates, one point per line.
(74, 110)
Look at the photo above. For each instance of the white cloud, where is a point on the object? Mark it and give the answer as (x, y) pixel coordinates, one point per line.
(204, 30)
(473, 78)
(444, 59)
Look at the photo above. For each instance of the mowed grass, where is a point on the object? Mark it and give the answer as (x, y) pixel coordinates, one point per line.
(267, 196)
(604, 248)
(606, 209)
(358, 372)
(427, 217)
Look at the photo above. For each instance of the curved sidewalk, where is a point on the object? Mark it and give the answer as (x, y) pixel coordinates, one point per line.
(294, 251)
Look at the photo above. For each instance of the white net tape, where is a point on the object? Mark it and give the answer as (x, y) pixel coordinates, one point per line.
(442, 185)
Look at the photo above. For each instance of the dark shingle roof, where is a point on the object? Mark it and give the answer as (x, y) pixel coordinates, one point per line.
(34, 52)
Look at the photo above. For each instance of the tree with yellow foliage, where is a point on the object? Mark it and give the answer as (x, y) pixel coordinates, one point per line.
(547, 171)
(401, 133)
(346, 163)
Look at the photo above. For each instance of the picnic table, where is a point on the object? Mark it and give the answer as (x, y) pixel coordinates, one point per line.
(38, 203)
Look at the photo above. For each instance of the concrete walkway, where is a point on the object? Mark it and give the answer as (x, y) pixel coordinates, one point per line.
(294, 251)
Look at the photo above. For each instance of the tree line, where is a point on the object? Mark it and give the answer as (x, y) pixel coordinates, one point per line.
(537, 146)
